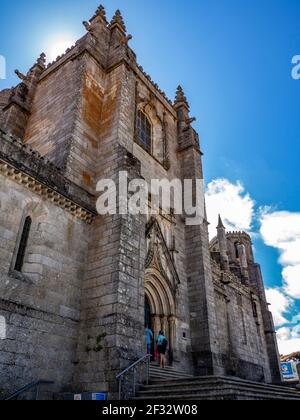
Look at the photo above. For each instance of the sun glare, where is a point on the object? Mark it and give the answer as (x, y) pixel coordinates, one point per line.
(58, 45)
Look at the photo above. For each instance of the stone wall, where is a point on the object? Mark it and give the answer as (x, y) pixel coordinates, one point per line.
(41, 305)
(51, 124)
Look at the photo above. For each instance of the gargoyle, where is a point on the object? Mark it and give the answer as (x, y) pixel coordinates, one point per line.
(21, 75)
(88, 27)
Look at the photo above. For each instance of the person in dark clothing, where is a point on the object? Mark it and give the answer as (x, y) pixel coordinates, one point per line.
(162, 345)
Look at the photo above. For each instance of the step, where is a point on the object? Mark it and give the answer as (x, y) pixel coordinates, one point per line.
(217, 397)
(204, 389)
(166, 373)
(169, 373)
(171, 369)
(216, 388)
(202, 380)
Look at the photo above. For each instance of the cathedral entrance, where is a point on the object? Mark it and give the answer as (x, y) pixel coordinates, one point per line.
(160, 311)
(161, 284)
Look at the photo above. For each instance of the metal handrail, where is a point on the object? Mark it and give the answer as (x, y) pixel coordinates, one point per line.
(28, 387)
(120, 376)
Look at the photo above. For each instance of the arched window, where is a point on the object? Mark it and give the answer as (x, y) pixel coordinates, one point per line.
(23, 244)
(144, 131)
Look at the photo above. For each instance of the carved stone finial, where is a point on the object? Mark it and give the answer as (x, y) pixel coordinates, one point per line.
(180, 97)
(118, 21)
(220, 223)
(41, 61)
(100, 12)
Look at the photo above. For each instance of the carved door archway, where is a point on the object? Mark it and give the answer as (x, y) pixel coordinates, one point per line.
(161, 284)
(162, 307)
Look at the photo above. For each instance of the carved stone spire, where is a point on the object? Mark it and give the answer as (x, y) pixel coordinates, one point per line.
(181, 99)
(223, 245)
(41, 61)
(118, 21)
(20, 101)
(100, 13)
(220, 223)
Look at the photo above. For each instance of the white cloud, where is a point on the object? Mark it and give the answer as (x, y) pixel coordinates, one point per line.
(291, 276)
(288, 340)
(280, 305)
(288, 346)
(232, 202)
(281, 230)
(284, 334)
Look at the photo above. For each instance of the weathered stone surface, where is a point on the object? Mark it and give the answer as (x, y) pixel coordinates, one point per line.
(76, 312)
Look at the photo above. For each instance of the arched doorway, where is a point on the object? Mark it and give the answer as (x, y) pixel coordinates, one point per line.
(160, 310)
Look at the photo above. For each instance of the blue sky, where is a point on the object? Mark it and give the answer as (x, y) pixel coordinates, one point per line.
(233, 58)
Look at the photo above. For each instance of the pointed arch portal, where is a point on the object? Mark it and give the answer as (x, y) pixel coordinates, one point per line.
(160, 303)
(161, 285)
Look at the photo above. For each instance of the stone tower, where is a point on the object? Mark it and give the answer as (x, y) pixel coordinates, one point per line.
(75, 285)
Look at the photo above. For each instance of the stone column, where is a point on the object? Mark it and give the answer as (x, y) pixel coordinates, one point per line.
(269, 328)
(172, 329)
(203, 322)
(156, 325)
(165, 326)
(223, 245)
(113, 296)
(244, 263)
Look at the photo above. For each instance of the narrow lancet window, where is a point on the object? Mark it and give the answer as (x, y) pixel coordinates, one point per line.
(144, 131)
(23, 244)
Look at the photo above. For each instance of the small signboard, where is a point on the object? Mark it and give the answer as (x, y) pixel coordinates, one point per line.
(86, 396)
(289, 371)
(98, 397)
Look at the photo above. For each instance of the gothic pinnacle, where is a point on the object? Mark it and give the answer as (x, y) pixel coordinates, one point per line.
(41, 61)
(220, 223)
(180, 97)
(100, 12)
(118, 20)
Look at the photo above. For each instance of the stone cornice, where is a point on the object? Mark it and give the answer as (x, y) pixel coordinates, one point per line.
(19, 163)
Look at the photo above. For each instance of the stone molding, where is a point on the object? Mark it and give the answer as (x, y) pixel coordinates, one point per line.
(43, 178)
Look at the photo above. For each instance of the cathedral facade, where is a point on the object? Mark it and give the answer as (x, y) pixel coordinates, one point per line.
(76, 287)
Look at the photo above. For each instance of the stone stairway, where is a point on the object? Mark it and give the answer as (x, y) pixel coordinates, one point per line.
(170, 384)
(168, 374)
